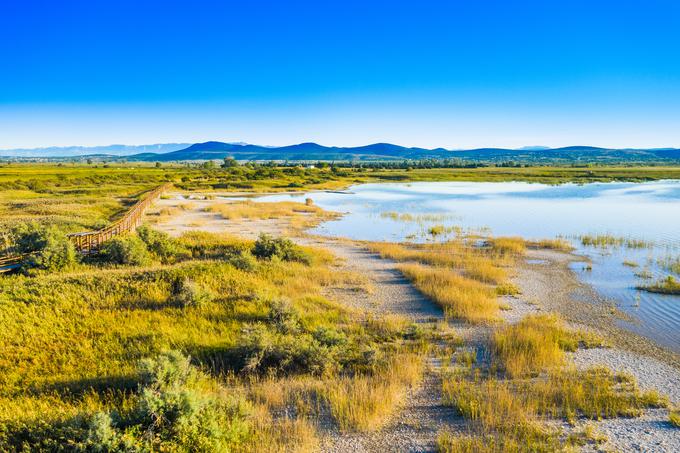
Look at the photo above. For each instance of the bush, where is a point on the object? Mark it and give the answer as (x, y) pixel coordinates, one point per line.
(162, 245)
(130, 250)
(267, 247)
(188, 293)
(171, 414)
(284, 317)
(244, 261)
(49, 248)
(263, 351)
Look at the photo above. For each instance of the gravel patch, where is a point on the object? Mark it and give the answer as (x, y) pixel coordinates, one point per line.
(650, 373)
(649, 433)
(392, 292)
(517, 308)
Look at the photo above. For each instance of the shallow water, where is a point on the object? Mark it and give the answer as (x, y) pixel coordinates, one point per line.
(640, 211)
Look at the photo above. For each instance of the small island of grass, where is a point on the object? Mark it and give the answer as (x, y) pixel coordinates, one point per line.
(669, 285)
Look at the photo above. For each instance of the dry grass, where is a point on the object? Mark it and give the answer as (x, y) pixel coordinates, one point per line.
(559, 244)
(365, 402)
(503, 421)
(509, 415)
(252, 210)
(477, 264)
(594, 393)
(460, 297)
(530, 346)
(536, 343)
(674, 418)
(515, 246)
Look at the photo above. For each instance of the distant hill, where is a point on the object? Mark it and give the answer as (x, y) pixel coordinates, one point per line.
(387, 151)
(114, 150)
(377, 151)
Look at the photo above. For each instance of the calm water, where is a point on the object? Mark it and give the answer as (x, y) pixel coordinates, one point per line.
(645, 211)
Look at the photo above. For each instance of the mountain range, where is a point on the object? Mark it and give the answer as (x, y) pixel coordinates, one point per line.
(377, 151)
(72, 151)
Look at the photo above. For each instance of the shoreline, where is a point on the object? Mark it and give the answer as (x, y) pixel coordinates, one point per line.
(577, 301)
(580, 303)
(548, 285)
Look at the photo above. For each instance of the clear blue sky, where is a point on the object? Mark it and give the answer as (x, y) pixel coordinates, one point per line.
(428, 73)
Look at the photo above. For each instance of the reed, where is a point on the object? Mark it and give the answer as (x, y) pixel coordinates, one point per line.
(364, 403)
(459, 296)
(253, 210)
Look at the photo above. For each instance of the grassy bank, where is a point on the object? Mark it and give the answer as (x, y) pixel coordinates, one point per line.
(236, 311)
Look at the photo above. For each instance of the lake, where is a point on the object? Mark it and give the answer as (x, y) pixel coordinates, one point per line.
(646, 216)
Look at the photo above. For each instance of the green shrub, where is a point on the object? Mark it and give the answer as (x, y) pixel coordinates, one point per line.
(264, 351)
(167, 249)
(267, 247)
(129, 249)
(187, 293)
(101, 435)
(171, 413)
(244, 261)
(284, 317)
(49, 248)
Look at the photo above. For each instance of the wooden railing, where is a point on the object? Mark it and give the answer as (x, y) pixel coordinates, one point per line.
(11, 262)
(89, 241)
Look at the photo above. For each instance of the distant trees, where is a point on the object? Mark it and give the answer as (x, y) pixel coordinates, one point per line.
(229, 162)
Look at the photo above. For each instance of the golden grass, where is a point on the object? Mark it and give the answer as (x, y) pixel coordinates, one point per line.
(674, 418)
(594, 393)
(456, 255)
(460, 297)
(530, 346)
(253, 210)
(509, 415)
(559, 244)
(608, 240)
(365, 402)
(503, 421)
(515, 246)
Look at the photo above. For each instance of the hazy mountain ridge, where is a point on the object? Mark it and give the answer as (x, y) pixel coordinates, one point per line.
(378, 151)
(73, 151)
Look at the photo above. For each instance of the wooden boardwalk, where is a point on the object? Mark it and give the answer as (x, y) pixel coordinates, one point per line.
(90, 241)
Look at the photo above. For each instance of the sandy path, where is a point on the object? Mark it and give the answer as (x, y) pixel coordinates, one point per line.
(414, 427)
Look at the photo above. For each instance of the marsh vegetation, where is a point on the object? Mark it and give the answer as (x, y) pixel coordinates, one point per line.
(213, 342)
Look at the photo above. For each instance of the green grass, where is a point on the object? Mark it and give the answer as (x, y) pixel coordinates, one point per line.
(262, 337)
(669, 285)
(72, 341)
(608, 240)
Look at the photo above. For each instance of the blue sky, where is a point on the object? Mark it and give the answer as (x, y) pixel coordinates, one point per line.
(427, 73)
